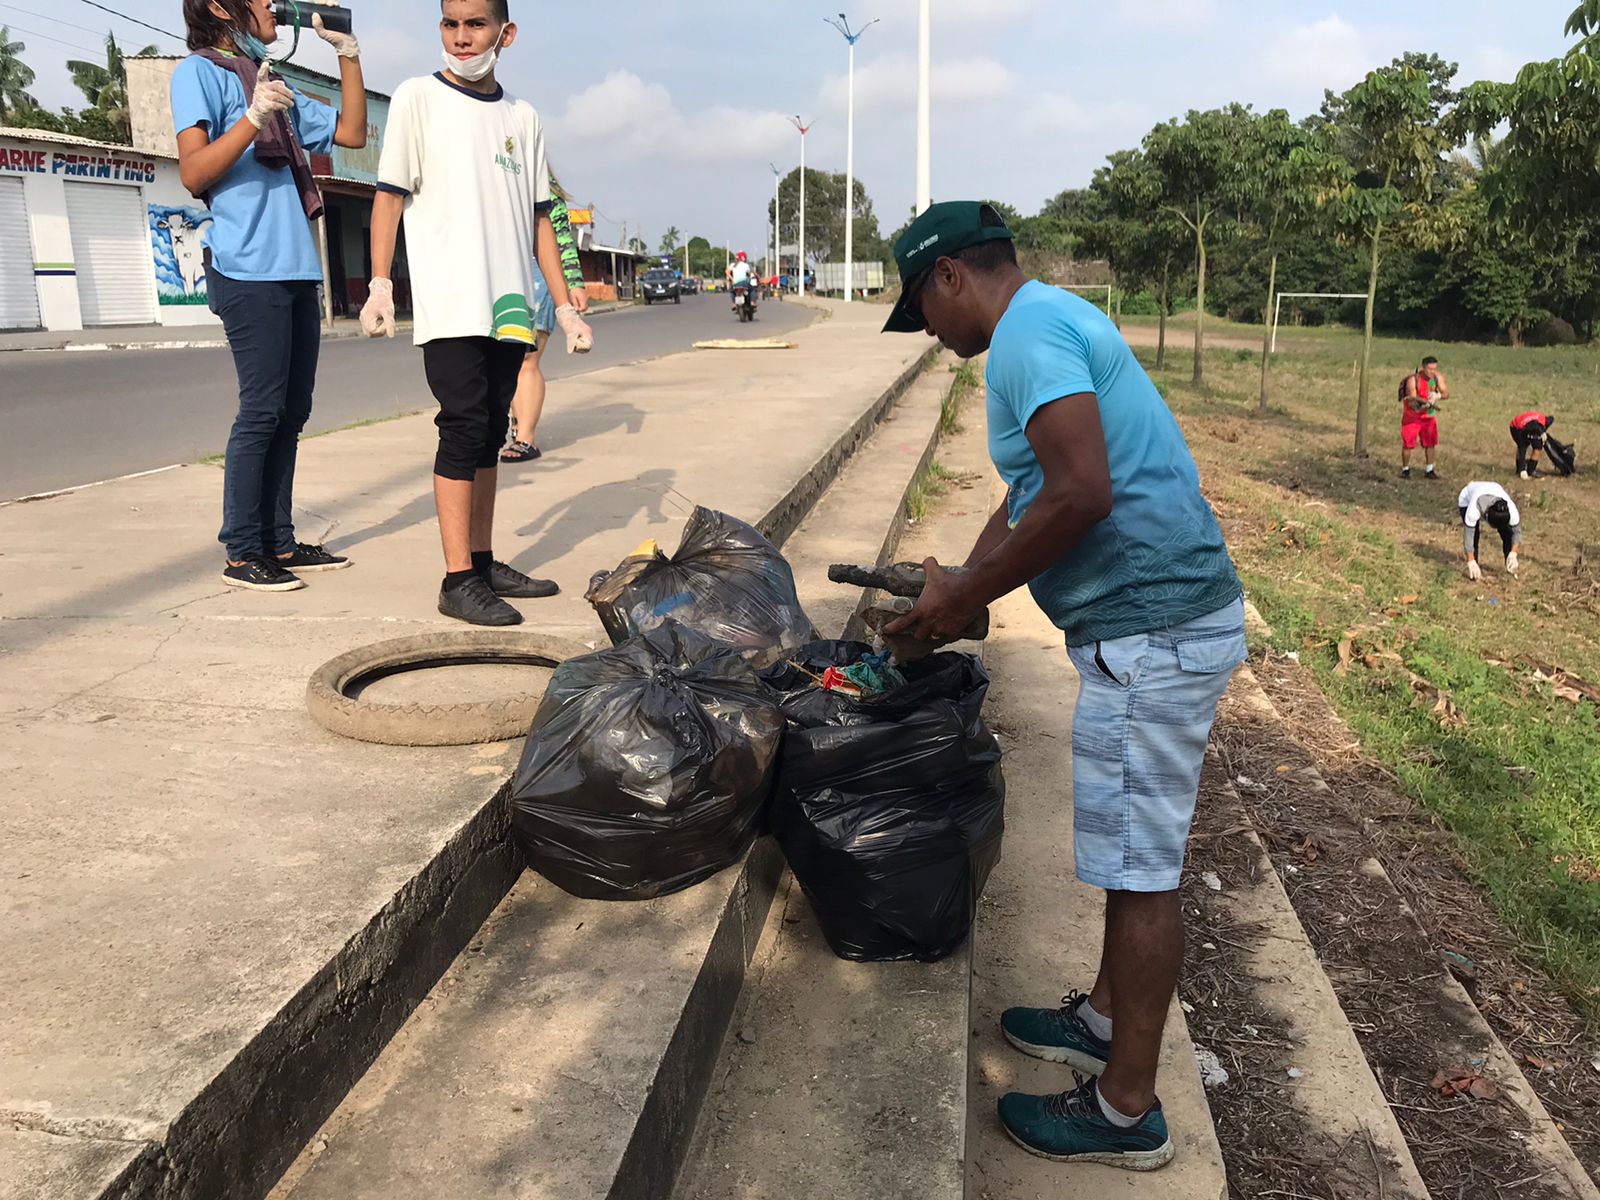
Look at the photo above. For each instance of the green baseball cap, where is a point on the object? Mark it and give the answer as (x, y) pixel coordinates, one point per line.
(944, 229)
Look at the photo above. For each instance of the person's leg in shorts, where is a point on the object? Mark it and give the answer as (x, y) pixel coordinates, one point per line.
(1428, 435)
(1139, 734)
(1410, 435)
(527, 406)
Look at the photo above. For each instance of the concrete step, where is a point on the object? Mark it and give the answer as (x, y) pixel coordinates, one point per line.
(566, 1053)
(1261, 1004)
(839, 1078)
(1410, 1013)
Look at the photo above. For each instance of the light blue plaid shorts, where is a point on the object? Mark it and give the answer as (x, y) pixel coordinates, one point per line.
(1139, 734)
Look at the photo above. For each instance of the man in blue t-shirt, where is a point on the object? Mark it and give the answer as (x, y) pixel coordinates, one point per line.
(1105, 523)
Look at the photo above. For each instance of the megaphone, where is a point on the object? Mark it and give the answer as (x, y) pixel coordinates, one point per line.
(335, 17)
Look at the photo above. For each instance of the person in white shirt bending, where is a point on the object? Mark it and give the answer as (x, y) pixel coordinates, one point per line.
(465, 163)
(1489, 503)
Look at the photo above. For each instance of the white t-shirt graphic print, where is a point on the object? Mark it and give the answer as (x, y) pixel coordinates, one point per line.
(472, 169)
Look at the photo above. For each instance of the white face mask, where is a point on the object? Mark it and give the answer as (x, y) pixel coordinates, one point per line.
(475, 68)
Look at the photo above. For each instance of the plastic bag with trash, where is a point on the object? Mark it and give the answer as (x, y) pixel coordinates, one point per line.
(890, 809)
(648, 767)
(727, 581)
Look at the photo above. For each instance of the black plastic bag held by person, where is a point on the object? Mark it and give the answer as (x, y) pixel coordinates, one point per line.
(726, 580)
(889, 810)
(647, 768)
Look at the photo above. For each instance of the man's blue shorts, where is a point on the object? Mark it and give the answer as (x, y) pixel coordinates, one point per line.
(1139, 736)
(543, 304)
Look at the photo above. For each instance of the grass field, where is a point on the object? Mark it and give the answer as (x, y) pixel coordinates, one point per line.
(1335, 549)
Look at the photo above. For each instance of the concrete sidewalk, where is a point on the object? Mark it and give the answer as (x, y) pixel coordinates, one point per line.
(189, 854)
(184, 337)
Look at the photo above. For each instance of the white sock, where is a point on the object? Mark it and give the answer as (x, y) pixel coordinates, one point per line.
(1098, 1025)
(1118, 1119)
(1430, 468)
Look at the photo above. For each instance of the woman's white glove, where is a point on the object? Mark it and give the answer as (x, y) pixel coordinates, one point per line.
(580, 338)
(1513, 563)
(344, 44)
(1474, 571)
(377, 314)
(272, 97)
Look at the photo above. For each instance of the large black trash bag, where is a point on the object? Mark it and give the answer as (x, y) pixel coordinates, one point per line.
(889, 810)
(726, 580)
(648, 767)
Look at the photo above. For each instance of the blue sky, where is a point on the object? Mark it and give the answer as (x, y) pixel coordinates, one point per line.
(667, 114)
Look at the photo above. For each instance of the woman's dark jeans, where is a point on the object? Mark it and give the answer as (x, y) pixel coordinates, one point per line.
(275, 331)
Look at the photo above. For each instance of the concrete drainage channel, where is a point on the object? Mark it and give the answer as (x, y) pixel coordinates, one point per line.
(569, 1050)
(237, 1138)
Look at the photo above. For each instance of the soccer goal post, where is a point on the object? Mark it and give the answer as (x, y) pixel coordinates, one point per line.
(1277, 312)
(1090, 287)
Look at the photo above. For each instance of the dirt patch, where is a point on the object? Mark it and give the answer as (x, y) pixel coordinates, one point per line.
(1268, 1146)
(1542, 1031)
(1385, 970)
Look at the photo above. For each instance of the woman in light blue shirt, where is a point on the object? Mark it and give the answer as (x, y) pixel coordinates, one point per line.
(243, 137)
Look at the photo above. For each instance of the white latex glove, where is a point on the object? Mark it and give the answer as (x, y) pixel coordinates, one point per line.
(1513, 563)
(580, 338)
(377, 314)
(272, 97)
(1474, 571)
(344, 44)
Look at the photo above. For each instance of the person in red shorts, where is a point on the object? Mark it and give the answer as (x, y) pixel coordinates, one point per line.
(1420, 397)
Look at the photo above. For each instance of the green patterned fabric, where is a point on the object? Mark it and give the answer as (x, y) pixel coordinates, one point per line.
(571, 266)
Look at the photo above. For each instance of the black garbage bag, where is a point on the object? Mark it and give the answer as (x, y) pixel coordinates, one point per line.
(648, 767)
(890, 810)
(1563, 457)
(726, 580)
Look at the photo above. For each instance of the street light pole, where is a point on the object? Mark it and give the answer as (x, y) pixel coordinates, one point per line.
(843, 26)
(801, 268)
(777, 222)
(924, 110)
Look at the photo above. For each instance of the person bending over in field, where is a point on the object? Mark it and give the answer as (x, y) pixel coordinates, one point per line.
(1489, 503)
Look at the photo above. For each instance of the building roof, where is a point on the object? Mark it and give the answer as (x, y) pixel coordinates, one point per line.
(67, 139)
(597, 248)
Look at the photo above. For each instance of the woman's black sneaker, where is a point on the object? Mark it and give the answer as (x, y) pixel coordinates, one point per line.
(262, 575)
(505, 580)
(307, 557)
(474, 603)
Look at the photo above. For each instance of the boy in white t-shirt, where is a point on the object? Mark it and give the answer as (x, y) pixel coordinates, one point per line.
(1488, 503)
(465, 163)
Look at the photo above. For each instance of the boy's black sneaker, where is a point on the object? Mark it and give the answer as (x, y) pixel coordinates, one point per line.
(262, 575)
(1405, 472)
(474, 603)
(505, 580)
(307, 557)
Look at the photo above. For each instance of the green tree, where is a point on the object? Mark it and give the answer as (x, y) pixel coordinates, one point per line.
(16, 77)
(105, 87)
(1390, 147)
(1546, 188)
(1285, 160)
(1129, 227)
(825, 217)
(671, 241)
(1197, 165)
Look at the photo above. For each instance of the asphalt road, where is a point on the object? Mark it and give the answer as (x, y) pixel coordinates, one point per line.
(70, 418)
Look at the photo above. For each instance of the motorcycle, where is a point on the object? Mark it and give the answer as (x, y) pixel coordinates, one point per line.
(744, 302)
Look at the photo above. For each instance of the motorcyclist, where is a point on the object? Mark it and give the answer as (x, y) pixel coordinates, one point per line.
(740, 276)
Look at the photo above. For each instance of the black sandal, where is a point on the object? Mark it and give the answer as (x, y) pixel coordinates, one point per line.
(520, 452)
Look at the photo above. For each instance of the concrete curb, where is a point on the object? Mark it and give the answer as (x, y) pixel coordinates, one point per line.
(240, 1135)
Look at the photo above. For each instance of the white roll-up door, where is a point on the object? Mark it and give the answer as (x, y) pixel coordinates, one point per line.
(111, 241)
(19, 294)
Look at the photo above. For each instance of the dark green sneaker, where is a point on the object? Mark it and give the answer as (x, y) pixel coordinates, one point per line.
(1071, 1128)
(1057, 1035)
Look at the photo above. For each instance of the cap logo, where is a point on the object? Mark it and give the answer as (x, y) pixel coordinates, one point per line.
(919, 249)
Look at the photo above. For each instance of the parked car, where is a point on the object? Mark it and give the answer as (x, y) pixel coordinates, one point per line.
(660, 285)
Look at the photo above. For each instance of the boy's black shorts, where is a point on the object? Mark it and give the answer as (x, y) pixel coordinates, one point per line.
(473, 379)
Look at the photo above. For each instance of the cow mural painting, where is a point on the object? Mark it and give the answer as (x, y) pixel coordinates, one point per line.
(177, 243)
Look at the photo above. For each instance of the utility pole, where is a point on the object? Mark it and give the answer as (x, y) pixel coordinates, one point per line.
(924, 110)
(801, 267)
(843, 26)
